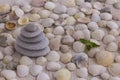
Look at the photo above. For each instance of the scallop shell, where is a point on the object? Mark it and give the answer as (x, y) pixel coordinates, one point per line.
(23, 20)
(4, 8)
(34, 17)
(10, 25)
(105, 58)
(114, 69)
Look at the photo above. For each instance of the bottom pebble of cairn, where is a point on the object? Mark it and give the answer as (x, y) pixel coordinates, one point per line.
(32, 41)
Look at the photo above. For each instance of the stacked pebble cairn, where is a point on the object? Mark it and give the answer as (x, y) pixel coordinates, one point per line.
(32, 41)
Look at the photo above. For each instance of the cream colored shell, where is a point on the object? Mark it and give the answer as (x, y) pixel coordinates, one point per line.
(104, 58)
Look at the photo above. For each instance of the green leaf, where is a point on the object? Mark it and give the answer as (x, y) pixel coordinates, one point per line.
(89, 44)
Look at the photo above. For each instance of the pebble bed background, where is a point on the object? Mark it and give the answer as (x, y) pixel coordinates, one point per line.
(64, 23)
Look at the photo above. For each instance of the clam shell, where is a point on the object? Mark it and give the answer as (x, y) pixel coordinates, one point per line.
(23, 20)
(26, 8)
(10, 25)
(4, 8)
(114, 69)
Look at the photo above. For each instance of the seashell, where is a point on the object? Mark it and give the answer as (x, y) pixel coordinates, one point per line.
(43, 76)
(70, 20)
(19, 12)
(10, 25)
(4, 8)
(79, 15)
(84, 20)
(9, 50)
(37, 3)
(80, 59)
(66, 58)
(105, 58)
(97, 5)
(71, 66)
(50, 5)
(12, 66)
(41, 60)
(16, 32)
(53, 66)
(44, 13)
(34, 17)
(2, 27)
(4, 18)
(68, 3)
(63, 74)
(23, 20)
(22, 70)
(114, 69)
(25, 60)
(7, 59)
(3, 40)
(8, 74)
(26, 8)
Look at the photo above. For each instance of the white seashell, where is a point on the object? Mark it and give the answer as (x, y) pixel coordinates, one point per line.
(53, 56)
(48, 22)
(9, 50)
(34, 17)
(22, 70)
(41, 60)
(23, 20)
(112, 25)
(112, 46)
(71, 66)
(54, 16)
(25, 60)
(8, 74)
(70, 20)
(35, 70)
(78, 35)
(114, 69)
(59, 30)
(16, 32)
(98, 34)
(50, 5)
(105, 76)
(63, 74)
(50, 35)
(65, 58)
(44, 13)
(104, 58)
(64, 48)
(43, 76)
(95, 17)
(98, 5)
(78, 47)
(79, 15)
(96, 69)
(106, 16)
(10, 40)
(7, 59)
(87, 34)
(26, 8)
(72, 11)
(19, 12)
(108, 39)
(102, 23)
(92, 26)
(114, 32)
(82, 72)
(67, 39)
(53, 66)
(80, 27)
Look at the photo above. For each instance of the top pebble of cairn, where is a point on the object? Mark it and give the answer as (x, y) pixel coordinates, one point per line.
(32, 41)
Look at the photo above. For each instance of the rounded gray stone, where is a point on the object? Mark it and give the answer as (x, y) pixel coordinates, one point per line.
(32, 40)
(31, 27)
(32, 53)
(30, 34)
(33, 46)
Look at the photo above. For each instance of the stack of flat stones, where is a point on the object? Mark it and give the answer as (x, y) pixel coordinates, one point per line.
(32, 41)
